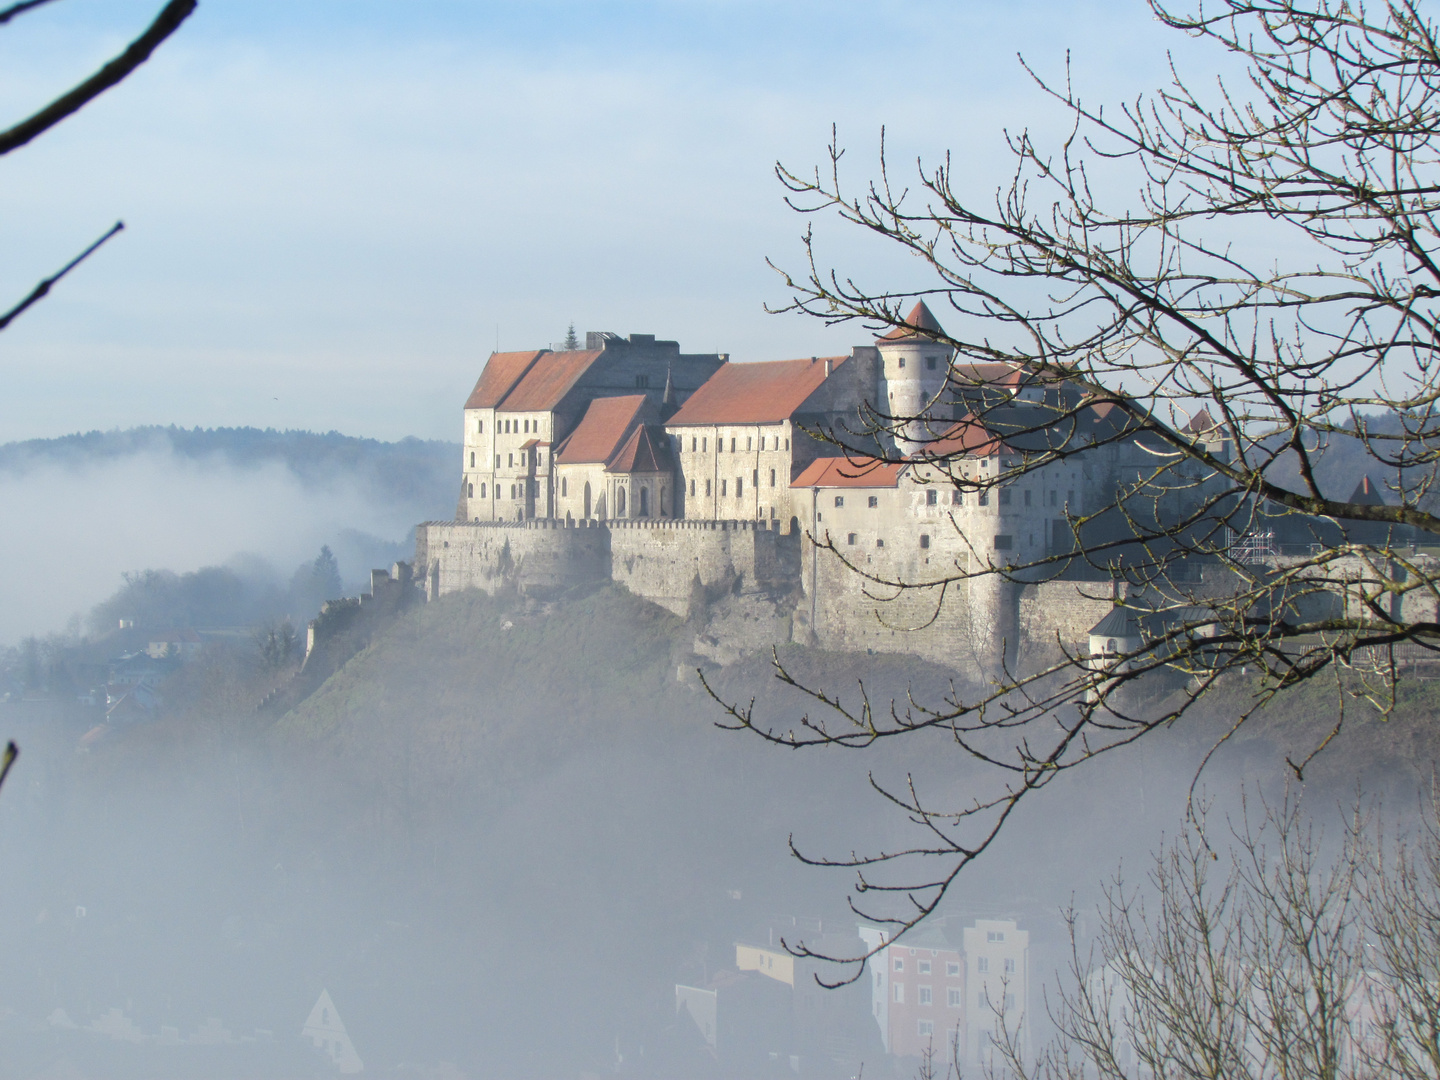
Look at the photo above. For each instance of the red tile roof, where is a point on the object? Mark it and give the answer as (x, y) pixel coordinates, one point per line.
(763, 393)
(502, 371)
(849, 472)
(642, 453)
(601, 430)
(548, 380)
(968, 438)
(920, 318)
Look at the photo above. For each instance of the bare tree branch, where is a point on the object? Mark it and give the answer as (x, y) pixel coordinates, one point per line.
(44, 287)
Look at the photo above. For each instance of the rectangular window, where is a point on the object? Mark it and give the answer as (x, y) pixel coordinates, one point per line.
(527, 427)
(952, 969)
(1053, 498)
(755, 477)
(747, 442)
(1004, 542)
(957, 498)
(787, 444)
(994, 935)
(480, 427)
(925, 996)
(692, 487)
(1004, 496)
(707, 487)
(704, 444)
(1027, 496)
(982, 965)
(512, 460)
(1010, 966)
(982, 1000)
(932, 497)
(722, 487)
(924, 540)
(899, 993)
(839, 500)
(1070, 499)
(952, 997)
(924, 967)
(1009, 1001)
(899, 964)
(732, 444)
(926, 1028)
(873, 501)
(692, 444)
(984, 498)
(850, 539)
(879, 541)
(497, 461)
(472, 459)
(739, 486)
(930, 362)
(902, 362)
(772, 477)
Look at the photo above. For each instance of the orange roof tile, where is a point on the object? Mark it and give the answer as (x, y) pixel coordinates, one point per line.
(601, 430)
(502, 371)
(849, 472)
(920, 318)
(548, 380)
(641, 454)
(761, 393)
(968, 438)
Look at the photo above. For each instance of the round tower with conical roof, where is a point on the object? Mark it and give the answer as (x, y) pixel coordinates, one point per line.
(913, 372)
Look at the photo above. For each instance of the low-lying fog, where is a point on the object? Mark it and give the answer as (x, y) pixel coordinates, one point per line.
(75, 524)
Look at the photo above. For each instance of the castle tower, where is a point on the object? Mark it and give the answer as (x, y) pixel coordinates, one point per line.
(913, 373)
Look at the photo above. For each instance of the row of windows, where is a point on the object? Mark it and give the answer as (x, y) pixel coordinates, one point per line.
(982, 964)
(739, 483)
(957, 498)
(931, 362)
(511, 427)
(702, 443)
(517, 491)
(952, 967)
(853, 538)
(925, 996)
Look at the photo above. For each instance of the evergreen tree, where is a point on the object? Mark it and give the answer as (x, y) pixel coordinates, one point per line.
(571, 341)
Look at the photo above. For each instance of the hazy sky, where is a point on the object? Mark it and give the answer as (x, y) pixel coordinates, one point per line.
(336, 207)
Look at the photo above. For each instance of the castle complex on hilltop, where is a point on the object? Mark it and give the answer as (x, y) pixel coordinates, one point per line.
(673, 472)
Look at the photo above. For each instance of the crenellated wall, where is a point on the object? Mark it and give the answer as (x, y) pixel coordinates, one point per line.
(657, 560)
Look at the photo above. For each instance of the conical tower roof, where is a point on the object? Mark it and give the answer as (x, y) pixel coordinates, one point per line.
(1366, 494)
(921, 318)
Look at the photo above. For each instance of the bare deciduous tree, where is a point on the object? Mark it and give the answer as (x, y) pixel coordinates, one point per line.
(1198, 301)
(1288, 962)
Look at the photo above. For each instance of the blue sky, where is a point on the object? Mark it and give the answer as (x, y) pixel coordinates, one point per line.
(334, 206)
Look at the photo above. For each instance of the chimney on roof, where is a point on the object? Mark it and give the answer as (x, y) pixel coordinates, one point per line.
(668, 407)
(829, 366)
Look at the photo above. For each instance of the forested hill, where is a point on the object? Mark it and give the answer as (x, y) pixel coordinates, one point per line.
(411, 470)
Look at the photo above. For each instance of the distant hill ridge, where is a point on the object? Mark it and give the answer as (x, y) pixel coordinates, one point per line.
(410, 470)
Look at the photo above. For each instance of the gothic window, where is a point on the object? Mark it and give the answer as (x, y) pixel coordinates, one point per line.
(564, 486)
(482, 491)
(620, 502)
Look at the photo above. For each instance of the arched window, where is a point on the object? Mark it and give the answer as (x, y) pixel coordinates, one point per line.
(644, 501)
(619, 502)
(482, 491)
(587, 498)
(471, 492)
(472, 459)
(564, 486)
(661, 507)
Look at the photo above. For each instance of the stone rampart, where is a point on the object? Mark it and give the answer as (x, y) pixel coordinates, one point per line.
(657, 560)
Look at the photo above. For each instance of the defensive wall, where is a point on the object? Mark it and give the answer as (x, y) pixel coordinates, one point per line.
(657, 560)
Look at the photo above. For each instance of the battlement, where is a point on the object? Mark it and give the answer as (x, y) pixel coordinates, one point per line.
(543, 524)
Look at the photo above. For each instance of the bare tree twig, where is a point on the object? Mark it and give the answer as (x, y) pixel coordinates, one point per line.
(43, 287)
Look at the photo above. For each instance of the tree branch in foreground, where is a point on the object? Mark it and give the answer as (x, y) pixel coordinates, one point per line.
(41, 289)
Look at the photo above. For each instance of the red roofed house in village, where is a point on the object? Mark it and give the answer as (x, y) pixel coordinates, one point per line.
(526, 403)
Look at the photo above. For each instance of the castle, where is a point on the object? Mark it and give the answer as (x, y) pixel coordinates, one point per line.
(680, 474)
